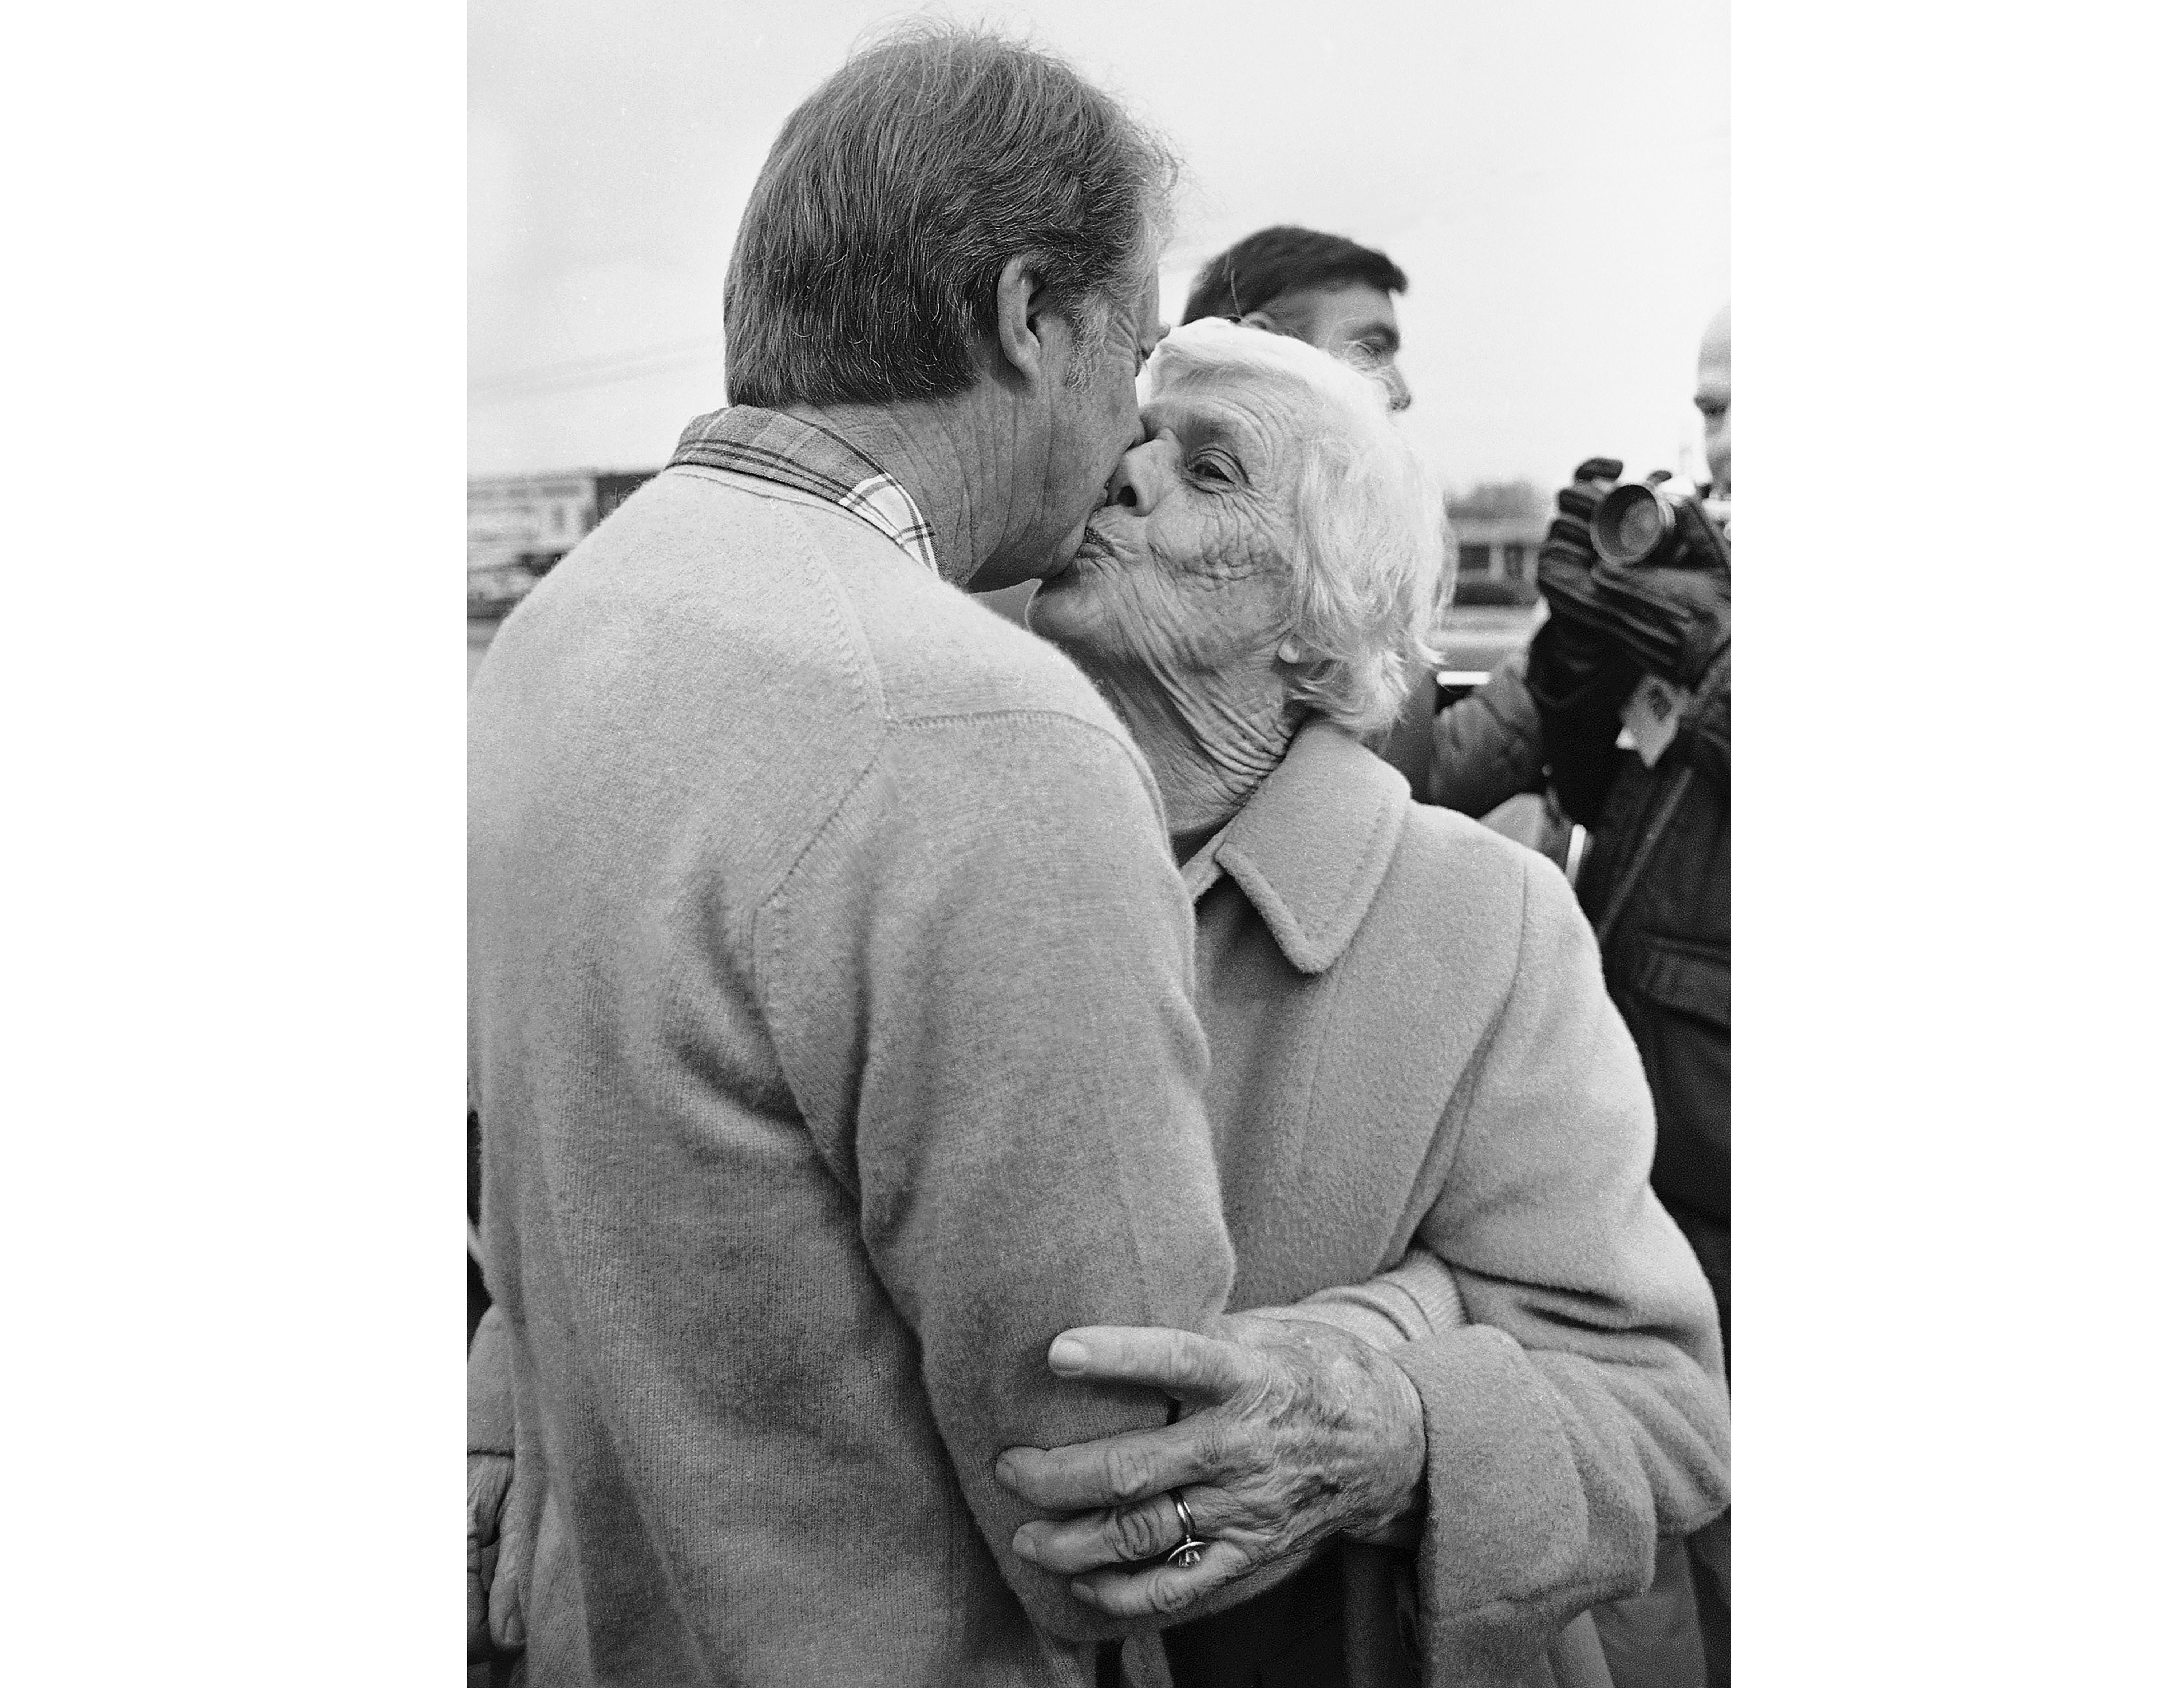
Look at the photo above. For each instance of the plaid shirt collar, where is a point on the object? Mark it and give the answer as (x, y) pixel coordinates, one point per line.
(745, 439)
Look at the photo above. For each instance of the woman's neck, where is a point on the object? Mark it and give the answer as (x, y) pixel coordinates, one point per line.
(1209, 739)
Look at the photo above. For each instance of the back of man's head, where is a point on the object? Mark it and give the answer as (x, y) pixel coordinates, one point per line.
(866, 265)
(1260, 268)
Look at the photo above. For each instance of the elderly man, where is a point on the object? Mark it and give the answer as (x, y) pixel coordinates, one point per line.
(831, 1033)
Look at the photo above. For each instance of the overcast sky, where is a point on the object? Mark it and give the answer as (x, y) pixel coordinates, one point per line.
(1552, 175)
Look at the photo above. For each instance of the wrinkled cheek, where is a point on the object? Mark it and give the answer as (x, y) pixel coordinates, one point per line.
(1108, 612)
(1187, 629)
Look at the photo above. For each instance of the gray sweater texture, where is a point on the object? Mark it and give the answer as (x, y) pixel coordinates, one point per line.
(833, 1036)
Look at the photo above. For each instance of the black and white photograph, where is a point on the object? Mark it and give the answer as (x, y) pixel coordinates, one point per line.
(1100, 908)
(1077, 884)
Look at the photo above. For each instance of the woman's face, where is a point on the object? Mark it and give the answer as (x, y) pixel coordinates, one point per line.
(1185, 570)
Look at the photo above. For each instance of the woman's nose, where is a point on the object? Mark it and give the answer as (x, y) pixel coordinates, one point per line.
(1135, 482)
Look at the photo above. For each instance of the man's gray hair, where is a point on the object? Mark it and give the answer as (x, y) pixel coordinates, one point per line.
(866, 265)
(1365, 572)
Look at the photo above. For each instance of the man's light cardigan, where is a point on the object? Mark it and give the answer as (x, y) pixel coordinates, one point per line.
(832, 1030)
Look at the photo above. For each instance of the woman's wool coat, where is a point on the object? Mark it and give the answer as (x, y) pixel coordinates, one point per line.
(1412, 1046)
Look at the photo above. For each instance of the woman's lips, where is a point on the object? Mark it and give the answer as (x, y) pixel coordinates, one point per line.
(1094, 542)
(1091, 545)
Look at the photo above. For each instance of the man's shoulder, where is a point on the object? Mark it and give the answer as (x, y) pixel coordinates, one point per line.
(936, 652)
(942, 653)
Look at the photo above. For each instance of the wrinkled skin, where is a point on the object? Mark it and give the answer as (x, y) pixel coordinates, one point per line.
(495, 1624)
(1297, 1432)
(1178, 602)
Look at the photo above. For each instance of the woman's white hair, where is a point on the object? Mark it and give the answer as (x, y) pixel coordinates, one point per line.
(1365, 573)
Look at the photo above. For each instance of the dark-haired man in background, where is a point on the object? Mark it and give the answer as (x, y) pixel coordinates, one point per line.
(1320, 288)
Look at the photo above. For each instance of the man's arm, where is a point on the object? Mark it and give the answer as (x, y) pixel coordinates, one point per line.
(1025, 1134)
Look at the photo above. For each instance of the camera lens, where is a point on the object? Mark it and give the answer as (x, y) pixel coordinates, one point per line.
(1640, 528)
(1631, 524)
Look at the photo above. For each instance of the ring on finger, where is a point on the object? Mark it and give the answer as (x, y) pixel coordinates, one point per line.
(1186, 1553)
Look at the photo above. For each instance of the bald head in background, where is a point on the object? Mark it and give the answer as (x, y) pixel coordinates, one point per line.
(1322, 289)
(1712, 397)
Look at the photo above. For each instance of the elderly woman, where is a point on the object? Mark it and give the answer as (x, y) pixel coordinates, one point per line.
(1413, 1058)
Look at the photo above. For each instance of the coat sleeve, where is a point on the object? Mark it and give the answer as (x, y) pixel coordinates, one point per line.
(1415, 1299)
(1582, 1413)
(1023, 1130)
(1486, 747)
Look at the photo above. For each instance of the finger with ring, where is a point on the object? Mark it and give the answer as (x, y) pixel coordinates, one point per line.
(1185, 1552)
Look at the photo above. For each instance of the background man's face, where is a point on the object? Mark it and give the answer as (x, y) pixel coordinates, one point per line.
(1712, 397)
(1355, 321)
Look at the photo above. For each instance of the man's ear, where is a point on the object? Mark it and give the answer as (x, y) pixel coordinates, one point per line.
(1024, 325)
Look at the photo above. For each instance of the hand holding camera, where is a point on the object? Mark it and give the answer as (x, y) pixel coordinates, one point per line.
(1641, 569)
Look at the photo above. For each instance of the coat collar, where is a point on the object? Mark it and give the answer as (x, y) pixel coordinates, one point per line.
(1313, 844)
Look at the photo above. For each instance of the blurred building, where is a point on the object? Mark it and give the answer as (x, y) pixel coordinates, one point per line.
(1493, 537)
(521, 524)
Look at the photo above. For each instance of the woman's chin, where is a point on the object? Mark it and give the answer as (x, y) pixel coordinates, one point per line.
(1066, 608)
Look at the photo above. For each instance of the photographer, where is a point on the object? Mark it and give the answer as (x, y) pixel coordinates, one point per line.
(1630, 679)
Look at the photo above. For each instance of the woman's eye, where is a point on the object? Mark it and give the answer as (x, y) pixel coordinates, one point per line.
(1212, 469)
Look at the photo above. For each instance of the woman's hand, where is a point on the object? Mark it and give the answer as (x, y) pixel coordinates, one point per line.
(1298, 1433)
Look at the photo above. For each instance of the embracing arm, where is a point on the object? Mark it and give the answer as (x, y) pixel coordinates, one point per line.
(1416, 1299)
(1546, 1444)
